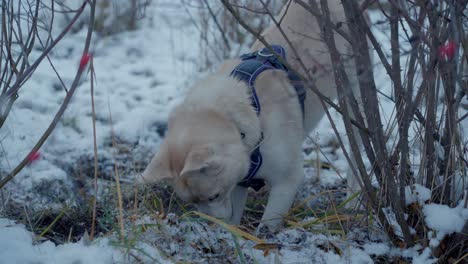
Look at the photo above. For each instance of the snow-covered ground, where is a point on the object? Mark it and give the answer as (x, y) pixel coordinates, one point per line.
(141, 75)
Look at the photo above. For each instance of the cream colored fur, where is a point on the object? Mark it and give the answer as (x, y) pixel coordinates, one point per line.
(204, 156)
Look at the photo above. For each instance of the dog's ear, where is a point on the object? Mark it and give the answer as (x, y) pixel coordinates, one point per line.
(158, 169)
(201, 160)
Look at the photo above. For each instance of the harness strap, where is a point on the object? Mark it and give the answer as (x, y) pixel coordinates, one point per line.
(256, 160)
(252, 65)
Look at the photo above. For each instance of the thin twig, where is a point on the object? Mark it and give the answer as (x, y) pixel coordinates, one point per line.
(117, 177)
(220, 28)
(62, 108)
(18, 83)
(96, 171)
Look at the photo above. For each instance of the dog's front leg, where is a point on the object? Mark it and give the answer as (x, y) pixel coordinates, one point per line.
(281, 197)
(238, 199)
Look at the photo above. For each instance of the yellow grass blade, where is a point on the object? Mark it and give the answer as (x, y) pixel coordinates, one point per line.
(326, 219)
(231, 228)
(48, 228)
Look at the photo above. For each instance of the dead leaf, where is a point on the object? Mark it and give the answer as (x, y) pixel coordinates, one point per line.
(268, 246)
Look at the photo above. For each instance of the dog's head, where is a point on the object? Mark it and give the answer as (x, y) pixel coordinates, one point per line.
(203, 158)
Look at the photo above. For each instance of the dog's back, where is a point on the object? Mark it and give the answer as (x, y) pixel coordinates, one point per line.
(303, 31)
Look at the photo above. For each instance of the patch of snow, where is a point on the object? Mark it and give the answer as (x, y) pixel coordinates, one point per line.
(376, 248)
(417, 193)
(445, 219)
(16, 246)
(313, 255)
(424, 258)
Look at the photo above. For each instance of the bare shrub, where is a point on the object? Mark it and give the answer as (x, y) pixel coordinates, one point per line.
(27, 26)
(221, 35)
(115, 16)
(112, 16)
(423, 142)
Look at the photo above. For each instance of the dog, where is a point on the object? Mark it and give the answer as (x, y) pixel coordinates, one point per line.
(212, 134)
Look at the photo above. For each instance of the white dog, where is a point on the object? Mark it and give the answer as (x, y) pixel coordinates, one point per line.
(216, 135)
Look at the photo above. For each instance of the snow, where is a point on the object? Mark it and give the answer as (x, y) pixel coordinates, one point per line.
(16, 246)
(424, 257)
(316, 256)
(376, 248)
(444, 219)
(417, 193)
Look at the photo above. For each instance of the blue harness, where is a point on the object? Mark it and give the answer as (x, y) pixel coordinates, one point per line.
(252, 65)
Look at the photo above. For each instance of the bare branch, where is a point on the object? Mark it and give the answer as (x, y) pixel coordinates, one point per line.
(65, 102)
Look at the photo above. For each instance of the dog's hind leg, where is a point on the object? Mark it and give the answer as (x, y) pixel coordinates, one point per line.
(352, 184)
(238, 199)
(353, 180)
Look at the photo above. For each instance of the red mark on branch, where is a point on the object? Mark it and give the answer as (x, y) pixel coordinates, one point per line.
(84, 61)
(34, 156)
(447, 51)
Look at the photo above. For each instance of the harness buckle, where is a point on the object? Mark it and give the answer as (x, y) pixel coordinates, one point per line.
(264, 53)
